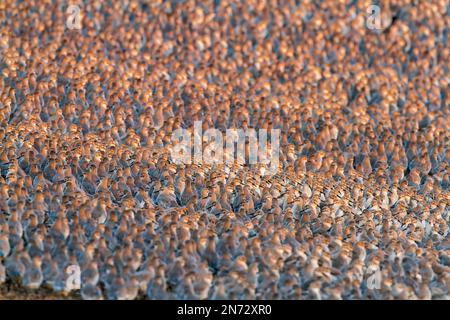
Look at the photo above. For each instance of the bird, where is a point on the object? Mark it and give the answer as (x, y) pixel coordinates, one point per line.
(15, 229)
(90, 274)
(167, 198)
(176, 272)
(128, 290)
(219, 291)
(15, 268)
(33, 277)
(157, 289)
(91, 292)
(314, 290)
(187, 193)
(60, 229)
(350, 175)
(99, 212)
(5, 248)
(2, 273)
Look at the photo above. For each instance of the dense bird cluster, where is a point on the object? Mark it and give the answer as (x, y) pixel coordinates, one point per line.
(362, 192)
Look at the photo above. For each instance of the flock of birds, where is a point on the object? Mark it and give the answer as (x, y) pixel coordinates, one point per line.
(86, 177)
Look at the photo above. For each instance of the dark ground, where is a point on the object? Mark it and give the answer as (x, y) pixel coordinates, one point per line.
(14, 291)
